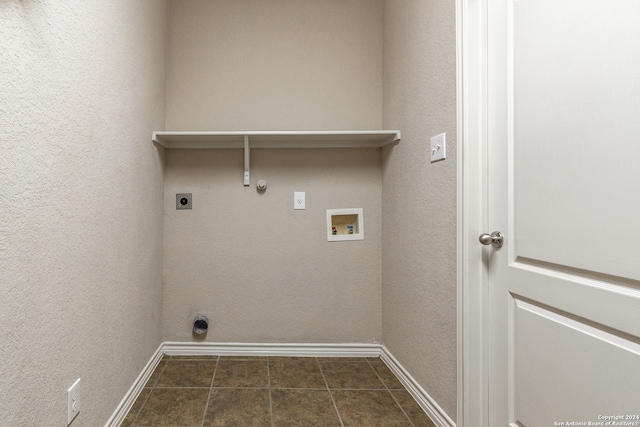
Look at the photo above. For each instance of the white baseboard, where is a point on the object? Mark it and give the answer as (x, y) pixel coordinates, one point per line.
(426, 402)
(129, 399)
(259, 349)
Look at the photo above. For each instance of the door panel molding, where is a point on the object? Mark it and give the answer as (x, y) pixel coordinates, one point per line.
(594, 278)
(572, 114)
(579, 323)
(553, 351)
(605, 303)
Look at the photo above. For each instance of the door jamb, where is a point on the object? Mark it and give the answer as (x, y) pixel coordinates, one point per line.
(471, 82)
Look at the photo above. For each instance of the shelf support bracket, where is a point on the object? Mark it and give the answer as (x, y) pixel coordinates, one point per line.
(247, 180)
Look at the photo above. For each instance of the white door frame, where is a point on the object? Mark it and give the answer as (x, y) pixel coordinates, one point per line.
(471, 79)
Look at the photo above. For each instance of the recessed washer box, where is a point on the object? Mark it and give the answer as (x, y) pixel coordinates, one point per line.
(345, 224)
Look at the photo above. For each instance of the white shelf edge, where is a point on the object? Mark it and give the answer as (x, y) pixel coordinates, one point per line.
(276, 139)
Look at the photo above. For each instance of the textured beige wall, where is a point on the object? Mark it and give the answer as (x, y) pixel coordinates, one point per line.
(259, 270)
(81, 214)
(82, 87)
(419, 237)
(274, 65)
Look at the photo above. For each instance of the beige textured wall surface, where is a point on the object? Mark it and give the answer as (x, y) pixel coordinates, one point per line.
(82, 87)
(419, 238)
(274, 65)
(260, 270)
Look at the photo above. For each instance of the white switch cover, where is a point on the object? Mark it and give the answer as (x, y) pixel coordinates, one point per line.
(438, 147)
(73, 401)
(298, 200)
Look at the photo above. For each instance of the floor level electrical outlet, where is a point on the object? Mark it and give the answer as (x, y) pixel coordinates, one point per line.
(298, 200)
(73, 401)
(438, 147)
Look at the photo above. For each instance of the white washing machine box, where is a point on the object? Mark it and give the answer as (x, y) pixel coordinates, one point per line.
(345, 224)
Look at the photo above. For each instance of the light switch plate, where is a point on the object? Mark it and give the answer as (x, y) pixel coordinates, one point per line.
(299, 200)
(438, 147)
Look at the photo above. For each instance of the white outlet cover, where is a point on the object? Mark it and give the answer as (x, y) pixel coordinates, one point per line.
(73, 401)
(298, 200)
(438, 147)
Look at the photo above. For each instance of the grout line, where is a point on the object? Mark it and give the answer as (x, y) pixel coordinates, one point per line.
(269, 388)
(330, 394)
(186, 386)
(299, 388)
(392, 396)
(283, 388)
(358, 389)
(206, 405)
(151, 386)
(160, 374)
(229, 388)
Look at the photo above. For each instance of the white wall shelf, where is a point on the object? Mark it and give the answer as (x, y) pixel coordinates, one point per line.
(275, 139)
(278, 139)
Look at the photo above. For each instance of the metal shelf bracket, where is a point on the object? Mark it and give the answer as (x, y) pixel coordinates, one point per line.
(247, 179)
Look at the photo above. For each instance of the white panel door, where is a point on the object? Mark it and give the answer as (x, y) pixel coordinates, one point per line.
(563, 131)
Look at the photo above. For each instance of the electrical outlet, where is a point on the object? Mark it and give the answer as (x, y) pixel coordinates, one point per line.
(183, 200)
(438, 147)
(73, 401)
(298, 200)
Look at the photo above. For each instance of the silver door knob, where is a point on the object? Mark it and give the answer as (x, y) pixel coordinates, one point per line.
(494, 239)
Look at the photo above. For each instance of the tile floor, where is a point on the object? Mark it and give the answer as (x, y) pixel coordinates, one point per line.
(273, 392)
